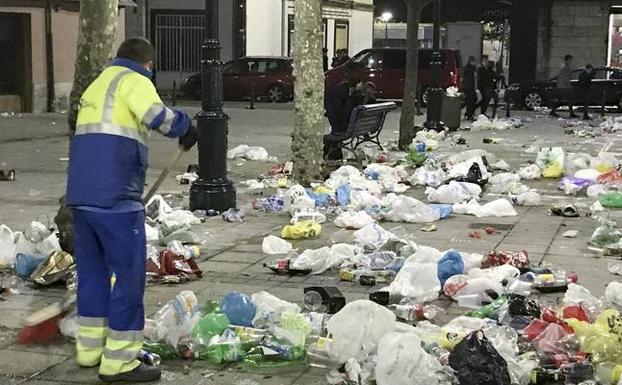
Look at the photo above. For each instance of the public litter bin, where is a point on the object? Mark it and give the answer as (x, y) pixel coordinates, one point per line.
(451, 110)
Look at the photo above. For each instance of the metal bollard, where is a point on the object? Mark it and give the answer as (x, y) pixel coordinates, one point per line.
(251, 106)
(174, 93)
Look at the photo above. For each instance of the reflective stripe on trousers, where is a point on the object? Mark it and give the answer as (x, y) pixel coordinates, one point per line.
(122, 348)
(90, 341)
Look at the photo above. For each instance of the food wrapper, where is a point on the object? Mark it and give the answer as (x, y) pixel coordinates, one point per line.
(53, 269)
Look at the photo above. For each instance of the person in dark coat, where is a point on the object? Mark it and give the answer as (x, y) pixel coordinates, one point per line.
(325, 59)
(468, 88)
(563, 91)
(583, 89)
(485, 83)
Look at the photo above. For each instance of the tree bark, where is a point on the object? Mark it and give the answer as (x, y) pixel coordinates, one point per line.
(407, 117)
(96, 38)
(307, 138)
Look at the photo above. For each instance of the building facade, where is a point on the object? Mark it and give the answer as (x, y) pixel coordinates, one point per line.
(246, 28)
(38, 40)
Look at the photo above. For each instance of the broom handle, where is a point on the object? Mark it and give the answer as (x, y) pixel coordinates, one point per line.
(154, 188)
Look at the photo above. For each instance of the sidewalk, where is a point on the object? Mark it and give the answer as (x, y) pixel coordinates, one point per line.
(234, 259)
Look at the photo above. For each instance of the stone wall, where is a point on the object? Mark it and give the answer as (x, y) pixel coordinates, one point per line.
(571, 27)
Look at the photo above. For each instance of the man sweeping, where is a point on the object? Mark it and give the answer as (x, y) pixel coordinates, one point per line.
(108, 162)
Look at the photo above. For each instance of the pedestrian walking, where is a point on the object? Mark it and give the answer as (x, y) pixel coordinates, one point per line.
(468, 88)
(485, 83)
(584, 88)
(564, 94)
(107, 167)
(495, 88)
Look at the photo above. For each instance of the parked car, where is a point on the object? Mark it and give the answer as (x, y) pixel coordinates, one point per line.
(385, 67)
(271, 77)
(532, 94)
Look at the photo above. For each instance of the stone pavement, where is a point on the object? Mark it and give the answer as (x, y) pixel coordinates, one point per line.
(33, 146)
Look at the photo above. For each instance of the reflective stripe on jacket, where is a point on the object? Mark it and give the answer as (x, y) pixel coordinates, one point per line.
(108, 154)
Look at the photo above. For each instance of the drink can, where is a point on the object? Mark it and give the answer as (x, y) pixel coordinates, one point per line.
(149, 358)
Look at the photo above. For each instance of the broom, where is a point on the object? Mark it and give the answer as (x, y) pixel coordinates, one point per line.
(43, 325)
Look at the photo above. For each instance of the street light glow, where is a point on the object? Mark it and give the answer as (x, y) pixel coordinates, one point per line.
(386, 17)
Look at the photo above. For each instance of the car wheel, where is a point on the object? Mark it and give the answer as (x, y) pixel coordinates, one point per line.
(276, 94)
(533, 100)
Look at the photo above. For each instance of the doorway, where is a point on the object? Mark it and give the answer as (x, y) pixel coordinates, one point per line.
(16, 64)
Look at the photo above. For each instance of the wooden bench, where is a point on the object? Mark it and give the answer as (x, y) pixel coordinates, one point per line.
(365, 126)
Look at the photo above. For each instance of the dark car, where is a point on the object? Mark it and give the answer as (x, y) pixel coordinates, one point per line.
(607, 84)
(386, 67)
(271, 77)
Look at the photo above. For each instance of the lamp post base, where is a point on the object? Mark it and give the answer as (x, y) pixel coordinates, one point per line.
(218, 195)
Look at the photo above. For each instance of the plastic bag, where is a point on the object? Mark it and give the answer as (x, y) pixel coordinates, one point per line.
(248, 152)
(239, 309)
(497, 208)
(372, 236)
(372, 323)
(301, 230)
(596, 190)
(408, 209)
(270, 308)
(579, 295)
(7, 247)
(477, 362)
(275, 245)
(454, 192)
(402, 361)
(613, 293)
(318, 260)
(449, 265)
(497, 258)
(606, 232)
(417, 281)
(603, 338)
(353, 220)
(527, 199)
(551, 161)
(572, 185)
(530, 172)
(611, 199)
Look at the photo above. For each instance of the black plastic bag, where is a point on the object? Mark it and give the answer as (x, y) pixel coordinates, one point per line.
(477, 362)
(520, 305)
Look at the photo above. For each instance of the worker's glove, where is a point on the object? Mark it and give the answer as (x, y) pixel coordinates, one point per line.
(189, 139)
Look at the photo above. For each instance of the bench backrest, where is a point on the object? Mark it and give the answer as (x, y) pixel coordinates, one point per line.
(368, 119)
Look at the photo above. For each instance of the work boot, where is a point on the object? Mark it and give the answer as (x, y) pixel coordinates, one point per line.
(142, 373)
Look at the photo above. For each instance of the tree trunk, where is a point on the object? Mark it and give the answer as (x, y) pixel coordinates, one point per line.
(307, 138)
(407, 117)
(96, 39)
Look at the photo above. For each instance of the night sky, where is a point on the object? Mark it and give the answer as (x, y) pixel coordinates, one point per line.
(396, 7)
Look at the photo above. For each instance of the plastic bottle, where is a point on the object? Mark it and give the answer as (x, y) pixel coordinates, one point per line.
(149, 358)
(470, 301)
(256, 359)
(162, 349)
(415, 312)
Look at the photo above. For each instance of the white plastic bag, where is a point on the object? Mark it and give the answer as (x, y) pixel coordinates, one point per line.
(530, 172)
(504, 178)
(372, 236)
(353, 220)
(7, 247)
(297, 199)
(613, 293)
(270, 308)
(178, 218)
(528, 199)
(454, 192)
(358, 328)
(318, 260)
(402, 361)
(248, 152)
(411, 210)
(275, 245)
(595, 190)
(497, 208)
(417, 281)
(151, 233)
(501, 165)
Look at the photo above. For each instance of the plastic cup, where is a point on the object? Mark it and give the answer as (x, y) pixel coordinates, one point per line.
(470, 301)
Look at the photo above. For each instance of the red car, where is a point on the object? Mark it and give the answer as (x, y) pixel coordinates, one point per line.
(272, 77)
(385, 67)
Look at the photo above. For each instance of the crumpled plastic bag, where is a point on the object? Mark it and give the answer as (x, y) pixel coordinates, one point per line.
(579, 295)
(527, 199)
(572, 185)
(551, 161)
(606, 232)
(402, 361)
(501, 165)
(407, 209)
(170, 318)
(613, 293)
(504, 178)
(505, 339)
(248, 152)
(497, 208)
(417, 281)
(372, 322)
(372, 236)
(270, 309)
(530, 172)
(449, 265)
(318, 260)
(54, 268)
(454, 192)
(477, 362)
(301, 230)
(297, 199)
(596, 190)
(430, 174)
(612, 199)
(603, 338)
(353, 220)
(7, 247)
(275, 245)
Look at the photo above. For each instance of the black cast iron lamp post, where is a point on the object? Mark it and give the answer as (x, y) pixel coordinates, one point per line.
(435, 91)
(213, 190)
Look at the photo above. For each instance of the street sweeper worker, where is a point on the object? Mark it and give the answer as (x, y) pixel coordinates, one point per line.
(108, 162)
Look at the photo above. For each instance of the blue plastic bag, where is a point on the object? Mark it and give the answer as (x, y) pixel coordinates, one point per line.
(443, 210)
(26, 264)
(449, 265)
(239, 309)
(321, 199)
(343, 195)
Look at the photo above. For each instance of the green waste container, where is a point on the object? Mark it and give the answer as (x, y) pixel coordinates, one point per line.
(451, 110)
